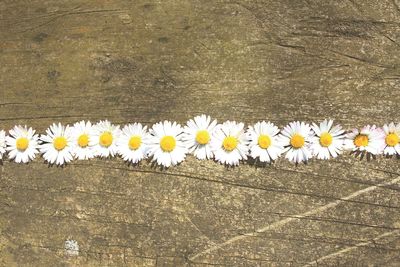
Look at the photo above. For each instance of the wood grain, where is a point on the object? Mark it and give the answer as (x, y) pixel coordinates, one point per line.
(241, 60)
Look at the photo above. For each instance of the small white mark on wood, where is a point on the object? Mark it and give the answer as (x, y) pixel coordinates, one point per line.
(126, 19)
(71, 247)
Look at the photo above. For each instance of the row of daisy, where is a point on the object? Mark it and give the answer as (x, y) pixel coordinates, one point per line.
(167, 143)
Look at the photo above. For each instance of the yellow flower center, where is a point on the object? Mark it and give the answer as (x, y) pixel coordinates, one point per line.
(392, 139)
(167, 143)
(361, 140)
(202, 137)
(230, 143)
(264, 141)
(325, 139)
(22, 143)
(135, 142)
(83, 140)
(106, 139)
(60, 143)
(297, 141)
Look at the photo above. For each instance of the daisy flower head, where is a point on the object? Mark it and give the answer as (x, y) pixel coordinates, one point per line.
(296, 138)
(328, 140)
(104, 139)
(2, 143)
(165, 143)
(197, 136)
(229, 143)
(392, 138)
(264, 142)
(22, 144)
(131, 144)
(369, 139)
(82, 134)
(57, 144)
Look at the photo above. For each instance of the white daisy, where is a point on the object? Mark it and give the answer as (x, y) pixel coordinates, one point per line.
(370, 139)
(105, 136)
(197, 136)
(82, 134)
(328, 141)
(296, 138)
(131, 145)
(22, 144)
(57, 144)
(165, 144)
(264, 142)
(392, 138)
(2, 143)
(229, 143)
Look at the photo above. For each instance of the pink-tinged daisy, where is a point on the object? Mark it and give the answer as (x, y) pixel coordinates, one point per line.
(392, 138)
(229, 143)
(22, 144)
(197, 136)
(328, 140)
(296, 137)
(264, 141)
(57, 144)
(165, 144)
(370, 139)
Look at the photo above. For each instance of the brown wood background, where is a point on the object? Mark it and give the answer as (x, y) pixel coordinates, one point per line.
(242, 60)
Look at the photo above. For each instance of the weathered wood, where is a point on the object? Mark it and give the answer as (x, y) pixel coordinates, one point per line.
(241, 60)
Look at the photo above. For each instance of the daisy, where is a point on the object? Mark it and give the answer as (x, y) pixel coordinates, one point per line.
(82, 134)
(22, 144)
(370, 139)
(2, 143)
(105, 136)
(131, 145)
(57, 144)
(264, 141)
(392, 138)
(165, 144)
(229, 143)
(328, 141)
(197, 136)
(296, 138)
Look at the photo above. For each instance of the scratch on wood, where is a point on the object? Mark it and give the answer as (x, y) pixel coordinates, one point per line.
(288, 220)
(356, 246)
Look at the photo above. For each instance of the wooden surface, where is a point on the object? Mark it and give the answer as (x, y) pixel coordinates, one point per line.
(242, 60)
